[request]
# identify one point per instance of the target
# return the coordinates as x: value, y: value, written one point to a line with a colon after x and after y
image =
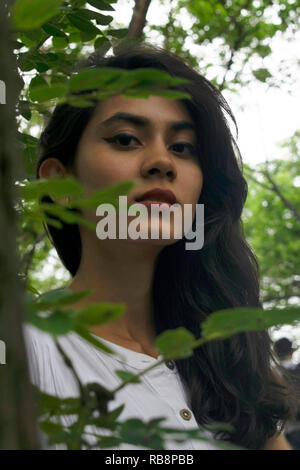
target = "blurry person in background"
x: 284, y: 349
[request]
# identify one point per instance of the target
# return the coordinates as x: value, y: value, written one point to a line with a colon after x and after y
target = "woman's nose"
x: 158, y: 161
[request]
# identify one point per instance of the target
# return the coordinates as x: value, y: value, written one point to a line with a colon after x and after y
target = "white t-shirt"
x: 159, y: 394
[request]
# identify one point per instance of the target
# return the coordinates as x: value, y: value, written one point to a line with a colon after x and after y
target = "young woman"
x: 185, y: 149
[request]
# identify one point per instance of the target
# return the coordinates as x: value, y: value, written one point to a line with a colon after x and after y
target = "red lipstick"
x: 157, y: 196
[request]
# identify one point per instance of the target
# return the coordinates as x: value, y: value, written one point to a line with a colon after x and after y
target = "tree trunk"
x: 138, y: 19
x: 18, y: 428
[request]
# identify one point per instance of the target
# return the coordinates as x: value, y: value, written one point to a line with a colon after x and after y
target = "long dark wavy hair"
x: 233, y: 380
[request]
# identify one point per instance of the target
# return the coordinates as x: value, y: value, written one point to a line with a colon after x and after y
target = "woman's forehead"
x: 154, y: 108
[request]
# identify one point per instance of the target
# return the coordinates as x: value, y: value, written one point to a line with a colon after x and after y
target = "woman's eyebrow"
x: 142, y: 121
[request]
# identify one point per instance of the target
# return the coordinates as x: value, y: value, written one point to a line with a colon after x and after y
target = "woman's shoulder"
x: 37, y: 342
x: 47, y: 368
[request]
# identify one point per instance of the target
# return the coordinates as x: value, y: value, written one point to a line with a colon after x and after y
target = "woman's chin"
x: 156, y: 232
x: 150, y: 231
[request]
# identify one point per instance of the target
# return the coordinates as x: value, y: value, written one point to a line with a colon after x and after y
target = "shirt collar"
x: 128, y: 356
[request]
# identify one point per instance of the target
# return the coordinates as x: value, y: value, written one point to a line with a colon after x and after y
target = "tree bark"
x: 138, y: 19
x: 18, y: 428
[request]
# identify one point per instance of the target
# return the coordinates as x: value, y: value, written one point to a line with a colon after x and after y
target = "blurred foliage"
x: 243, y: 32
x: 271, y: 227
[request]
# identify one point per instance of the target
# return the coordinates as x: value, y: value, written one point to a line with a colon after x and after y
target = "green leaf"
x: 108, y: 421
x: 30, y: 14
x: 24, y: 109
x: 30, y: 160
x: 49, y: 427
x: 263, y: 50
x: 52, y: 222
x: 125, y: 375
x: 33, y: 215
x: 53, y: 30
x: 94, y: 78
x: 113, y: 79
x: 66, y: 437
x: 101, y: 5
x: 32, y: 289
x: 54, y: 214
x: 79, y: 102
x: 94, y: 15
x: 56, y: 323
x: 146, y: 79
x: 91, y: 338
x: 26, y: 63
x: 136, y: 93
x: 60, y: 43
x: 54, y: 405
x: 108, y: 441
x: 33, y: 37
x: 53, y: 58
x: 114, y: 414
x: 134, y: 431
x: 37, y: 81
x: 225, y: 323
x: 87, y: 36
x: 170, y: 94
x: 152, y: 76
x: 117, y: 33
x: 42, y: 67
x: 58, y: 79
x: 99, y: 313
x: 74, y: 36
x: 103, y: 19
x: 102, y: 43
x: 103, y: 196
x: 28, y: 139
x: 83, y: 24
x: 57, y: 187
x: 60, y: 298
x: 67, y: 215
x: 262, y: 74
x: 177, y: 343
x: 45, y: 93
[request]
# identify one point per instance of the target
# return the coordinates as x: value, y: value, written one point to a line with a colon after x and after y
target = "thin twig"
x: 28, y: 257
x: 276, y: 189
x: 70, y: 365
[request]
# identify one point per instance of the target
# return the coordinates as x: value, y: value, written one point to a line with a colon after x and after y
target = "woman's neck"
x: 123, y: 276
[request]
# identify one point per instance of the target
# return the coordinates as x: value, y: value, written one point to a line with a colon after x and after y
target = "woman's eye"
x: 121, y: 139
x: 181, y: 146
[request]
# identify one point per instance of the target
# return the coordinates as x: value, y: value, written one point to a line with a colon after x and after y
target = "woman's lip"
x: 148, y: 202
x: 158, y: 194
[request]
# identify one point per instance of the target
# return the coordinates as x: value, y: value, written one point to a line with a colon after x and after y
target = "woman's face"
x: 153, y: 151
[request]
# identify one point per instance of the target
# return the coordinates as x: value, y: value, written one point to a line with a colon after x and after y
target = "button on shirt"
x: 160, y: 392
x: 170, y: 364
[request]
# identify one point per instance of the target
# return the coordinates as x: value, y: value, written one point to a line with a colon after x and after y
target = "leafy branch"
x: 272, y: 187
